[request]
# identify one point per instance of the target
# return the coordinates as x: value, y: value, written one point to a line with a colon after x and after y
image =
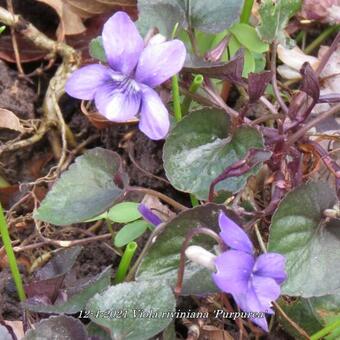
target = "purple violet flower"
x: 124, y: 89
x: 148, y: 215
x: 253, y: 283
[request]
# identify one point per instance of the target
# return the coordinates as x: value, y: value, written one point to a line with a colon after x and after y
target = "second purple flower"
x: 124, y: 89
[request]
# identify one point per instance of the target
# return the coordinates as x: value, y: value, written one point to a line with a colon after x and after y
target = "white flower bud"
x: 201, y: 256
x: 157, y: 39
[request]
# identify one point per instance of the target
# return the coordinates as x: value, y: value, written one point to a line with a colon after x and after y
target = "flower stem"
x: 176, y: 98
x: 321, y: 38
x: 125, y: 262
x: 195, y: 85
x: 11, y: 257
x: 175, y: 87
x: 324, y: 331
x: 246, y: 11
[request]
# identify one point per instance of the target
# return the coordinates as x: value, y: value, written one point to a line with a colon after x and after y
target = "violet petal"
x: 154, y: 117
x: 233, y: 271
x: 118, y: 103
x: 233, y: 236
x: 271, y: 265
x: 267, y: 290
x: 159, y: 62
x: 83, y: 83
x: 250, y: 303
x: 148, y: 215
x: 122, y: 43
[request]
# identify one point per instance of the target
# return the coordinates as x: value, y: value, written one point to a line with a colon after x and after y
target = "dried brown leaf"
x: 70, y: 21
x: 9, y: 120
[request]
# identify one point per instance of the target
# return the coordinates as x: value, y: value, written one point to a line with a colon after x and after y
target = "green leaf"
x: 209, y: 17
x: 129, y: 300
x: 124, y: 212
x: 200, y: 147
x: 214, y: 16
x: 274, y: 17
x: 78, y: 300
x: 310, y: 245
x: 162, y: 259
x: 2, y: 28
x: 130, y: 232
x: 248, y: 37
x: 97, y: 332
x: 163, y: 14
x: 303, y: 314
x: 96, y: 49
x: 57, y: 328
x: 311, y: 314
x: 85, y: 190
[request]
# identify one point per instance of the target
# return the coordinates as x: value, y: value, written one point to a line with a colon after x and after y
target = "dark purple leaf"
x: 310, y: 82
x: 49, y: 279
x: 231, y: 70
x: 257, y: 83
x: 251, y: 159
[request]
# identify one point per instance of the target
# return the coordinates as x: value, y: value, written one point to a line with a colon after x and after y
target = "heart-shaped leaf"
x: 57, y: 328
x: 162, y: 259
x: 143, y: 309
x: 200, y: 147
x: 210, y: 17
x: 76, y: 302
x: 90, y: 186
x: 310, y: 244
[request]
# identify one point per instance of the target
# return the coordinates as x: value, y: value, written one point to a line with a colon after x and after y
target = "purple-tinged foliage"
x: 257, y: 83
x: 231, y: 70
x: 124, y: 89
x: 253, y: 282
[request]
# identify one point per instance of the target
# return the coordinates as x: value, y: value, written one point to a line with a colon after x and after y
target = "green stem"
x: 10, y: 255
x: 324, y: 331
x: 246, y: 11
x: 175, y: 87
x: 176, y: 98
x: 195, y: 85
x: 194, y: 200
x: 321, y: 38
x: 125, y: 262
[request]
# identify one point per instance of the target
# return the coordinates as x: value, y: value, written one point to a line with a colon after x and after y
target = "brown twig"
x: 161, y: 196
x: 301, y: 132
x: 274, y: 79
x: 56, y: 87
x: 14, y: 41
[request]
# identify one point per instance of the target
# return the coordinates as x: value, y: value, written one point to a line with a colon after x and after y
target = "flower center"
x: 125, y: 84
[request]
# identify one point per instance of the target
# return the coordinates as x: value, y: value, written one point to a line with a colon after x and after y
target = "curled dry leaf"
x: 17, y: 328
x: 70, y: 21
x: 158, y: 208
x: 293, y: 59
x: 72, y: 12
x: 8, y: 120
